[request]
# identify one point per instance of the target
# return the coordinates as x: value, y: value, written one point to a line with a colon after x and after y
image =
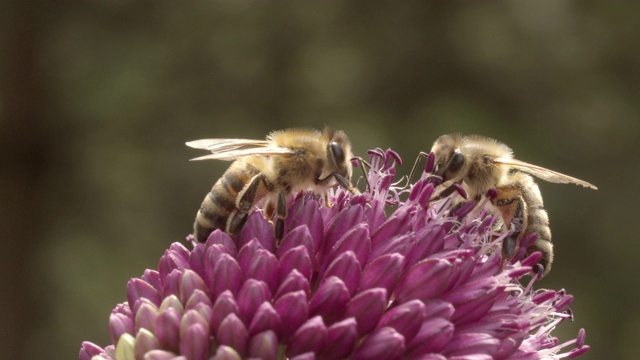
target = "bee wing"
x: 232, y: 149
x: 543, y: 173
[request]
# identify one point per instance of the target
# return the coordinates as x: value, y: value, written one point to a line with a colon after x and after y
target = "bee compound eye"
x: 337, y: 152
x: 457, y: 160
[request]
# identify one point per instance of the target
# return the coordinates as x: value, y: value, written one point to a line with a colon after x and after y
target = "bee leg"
x: 421, y: 155
x: 512, y: 207
x: 269, y: 209
x: 446, y: 192
x: 342, y: 181
x: 253, y: 191
x: 281, y: 215
x: 362, y: 164
x: 236, y: 221
x: 327, y: 202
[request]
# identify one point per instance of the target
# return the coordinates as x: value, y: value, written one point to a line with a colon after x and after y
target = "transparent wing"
x: 232, y: 149
x: 543, y: 173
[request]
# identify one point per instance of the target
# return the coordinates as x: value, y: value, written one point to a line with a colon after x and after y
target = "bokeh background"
x: 98, y: 98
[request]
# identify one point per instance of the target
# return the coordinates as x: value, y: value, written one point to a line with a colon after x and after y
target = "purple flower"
x: 425, y: 281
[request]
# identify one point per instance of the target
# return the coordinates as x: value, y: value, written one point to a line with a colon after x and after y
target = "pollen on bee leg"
x: 327, y: 202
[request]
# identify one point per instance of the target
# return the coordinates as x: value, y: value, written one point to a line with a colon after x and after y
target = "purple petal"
x: 489, y: 268
x: 460, y: 190
x: 266, y: 318
x: 179, y: 249
x: 464, y: 267
x: 89, y: 350
x: 384, y: 343
x: 427, y: 242
x: 252, y: 294
x: 197, y: 259
x: 429, y: 164
x: 257, y: 227
x: 306, y: 356
x: 295, y: 281
x: 198, y: 297
x: 438, y: 308
x: 406, y: 318
x: 263, y: 346
x: 173, y: 302
x: 392, y: 156
x: 384, y: 272
x: 367, y: 308
x: 221, y: 238
x: 296, y: 259
x: 401, y: 244
x: 227, y: 275
x: 233, y: 333
x: 137, y: 289
x: 563, y: 303
x: 397, y: 223
x: 343, y: 222
x: 508, y: 347
x: 145, y: 342
x: 168, y: 329
x: 194, y: 343
x: 296, y: 237
x: 246, y: 254
x: 470, y: 291
x: 293, y: 311
x: 543, y: 297
x: 474, y: 310
x: 469, y: 344
x: 582, y: 337
x: 356, y: 240
x: 226, y: 353
x: 152, y: 277
x: 433, y: 336
x: 416, y: 189
x: 122, y: 308
x: 211, y: 257
x: 425, y: 280
x: 146, y: 317
x: 225, y: 304
x: 305, y: 211
x: 190, y: 318
x: 347, y: 268
x: 532, y: 259
x: 119, y: 324
x: 171, y: 261
x: 172, y: 283
x: 578, y: 352
x: 162, y: 355
x: 310, y: 337
x: 342, y: 337
x: 465, y: 209
x: 330, y: 300
x: 190, y: 283
x: 264, y: 267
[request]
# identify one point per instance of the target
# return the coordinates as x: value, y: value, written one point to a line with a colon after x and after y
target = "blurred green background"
x: 98, y: 98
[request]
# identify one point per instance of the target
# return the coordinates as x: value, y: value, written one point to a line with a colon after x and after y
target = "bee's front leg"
x: 281, y: 215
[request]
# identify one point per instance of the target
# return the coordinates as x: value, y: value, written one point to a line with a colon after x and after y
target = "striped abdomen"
x: 218, y: 209
x: 537, y: 221
x: 520, y: 203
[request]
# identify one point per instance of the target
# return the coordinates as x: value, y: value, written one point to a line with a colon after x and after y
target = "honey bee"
x: 479, y: 164
x: 287, y: 161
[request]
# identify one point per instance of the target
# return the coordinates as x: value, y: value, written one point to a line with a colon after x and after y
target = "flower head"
x: 426, y: 281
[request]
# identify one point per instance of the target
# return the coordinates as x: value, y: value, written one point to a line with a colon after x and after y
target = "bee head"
x: 339, y: 153
x: 450, y: 161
